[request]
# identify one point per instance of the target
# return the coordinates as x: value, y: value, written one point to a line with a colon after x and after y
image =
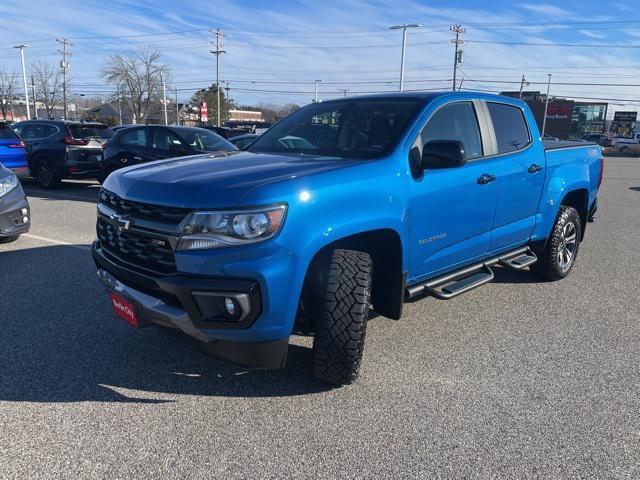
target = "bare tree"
x: 138, y: 79
x: 8, y: 83
x: 47, y: 80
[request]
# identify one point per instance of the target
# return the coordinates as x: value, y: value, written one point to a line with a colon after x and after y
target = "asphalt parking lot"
x: 516, y: 379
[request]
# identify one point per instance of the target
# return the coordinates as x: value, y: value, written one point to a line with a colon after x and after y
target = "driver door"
x: 452, y: 209
x: 166, y: 144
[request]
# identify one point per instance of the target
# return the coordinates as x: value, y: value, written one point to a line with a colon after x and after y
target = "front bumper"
x: 14, y: 208
x: 192, y: 304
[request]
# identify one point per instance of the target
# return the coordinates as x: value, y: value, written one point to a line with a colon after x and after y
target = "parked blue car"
x: 13, y: 152
x: 345, y: 205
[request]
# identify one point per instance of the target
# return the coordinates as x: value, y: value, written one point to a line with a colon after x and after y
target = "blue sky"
x: 283, y: 46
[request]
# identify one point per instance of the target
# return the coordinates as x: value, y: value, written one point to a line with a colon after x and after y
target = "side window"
x: 456, y: 121
x: 33, y: 131
x: 166, y: 140
x: 512, y: 132
x: 134, y: 137
x: 49, y: 130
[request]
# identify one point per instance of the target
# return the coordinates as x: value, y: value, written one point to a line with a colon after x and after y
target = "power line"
x: 544, y: 44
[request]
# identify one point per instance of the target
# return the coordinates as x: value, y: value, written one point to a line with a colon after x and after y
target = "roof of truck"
x: 430, y: 95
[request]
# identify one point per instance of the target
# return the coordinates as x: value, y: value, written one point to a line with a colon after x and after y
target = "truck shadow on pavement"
x: 70, y: 191
x: 61, y: 342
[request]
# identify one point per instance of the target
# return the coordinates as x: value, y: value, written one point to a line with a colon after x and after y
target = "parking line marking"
x: 84, y: 248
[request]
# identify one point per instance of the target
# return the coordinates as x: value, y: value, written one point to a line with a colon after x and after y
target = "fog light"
x: 25, y: 219
x: 230, y: 306
x: 24, y: 211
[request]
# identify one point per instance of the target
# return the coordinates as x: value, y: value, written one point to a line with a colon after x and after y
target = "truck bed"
x: 555, y: 145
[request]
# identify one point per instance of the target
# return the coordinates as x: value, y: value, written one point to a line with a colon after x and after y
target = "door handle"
x: 486, y: 178
x: 533, y: 168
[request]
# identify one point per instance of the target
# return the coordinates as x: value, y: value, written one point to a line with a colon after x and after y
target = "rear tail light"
x: 73, y: 141
x: 17, y: 145
x: 601, y: 171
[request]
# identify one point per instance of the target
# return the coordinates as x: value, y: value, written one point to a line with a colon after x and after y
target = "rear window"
x: 6, y: 133
x: 90, y: 131
x: 510, y: 126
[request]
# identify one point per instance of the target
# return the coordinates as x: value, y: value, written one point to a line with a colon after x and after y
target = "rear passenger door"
x: 520, y: 179
x: 452, y: 208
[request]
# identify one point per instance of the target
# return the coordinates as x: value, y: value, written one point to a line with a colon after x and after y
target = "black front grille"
x: 143, y: 210
x: 149, y: 252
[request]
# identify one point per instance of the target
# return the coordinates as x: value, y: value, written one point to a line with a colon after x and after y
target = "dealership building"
x: 566, y: 118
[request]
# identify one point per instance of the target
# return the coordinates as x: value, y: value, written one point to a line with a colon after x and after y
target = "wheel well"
x: 579, y: 199
x: 385, y: 248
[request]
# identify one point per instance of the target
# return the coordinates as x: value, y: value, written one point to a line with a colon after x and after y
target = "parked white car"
x: 627, y: 144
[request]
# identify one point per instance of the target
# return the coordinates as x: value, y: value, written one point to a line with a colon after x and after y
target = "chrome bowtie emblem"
x: 121, y: 223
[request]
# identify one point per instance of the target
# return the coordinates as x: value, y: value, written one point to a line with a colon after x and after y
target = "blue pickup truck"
x: 343, y: 207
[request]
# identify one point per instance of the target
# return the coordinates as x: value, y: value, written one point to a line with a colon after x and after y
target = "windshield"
x: 350, y: 128
x: 201, y: 139
x: 91, y: 131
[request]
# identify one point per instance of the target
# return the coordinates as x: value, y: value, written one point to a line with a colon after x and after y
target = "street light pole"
x: 24, y: 78
x: 315, y: 86
x: 403, y: 27
x: 164, y: 99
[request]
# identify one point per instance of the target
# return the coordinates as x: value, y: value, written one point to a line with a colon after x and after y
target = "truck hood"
x: 213, y: 180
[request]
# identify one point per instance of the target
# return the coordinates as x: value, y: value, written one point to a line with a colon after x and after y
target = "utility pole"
x: 24, y: 78
x: 226, y: 91
x: 403, y: 27
x: 65, y: 66
x: 118, y: 100
x: 33, y: 94
x: 315, y: 88
x: 344, y: 91
x: 457, y: 58
x: 546, y: 105
x: 523, y: 82
x: 164, y: 99
x: 177, y: 108
x: 217, y: 52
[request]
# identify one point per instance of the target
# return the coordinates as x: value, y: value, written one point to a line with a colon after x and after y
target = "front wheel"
x: 560, y: 253
x: 341, y: 316
x: 8, y: 239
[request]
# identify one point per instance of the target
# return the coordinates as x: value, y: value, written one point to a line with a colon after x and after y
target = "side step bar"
x: 460, y: 281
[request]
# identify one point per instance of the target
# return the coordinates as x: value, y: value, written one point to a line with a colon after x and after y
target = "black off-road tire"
x: 341, y: 316
x: 549, y: 265
x: 8, y: 239
x: 46, y: 175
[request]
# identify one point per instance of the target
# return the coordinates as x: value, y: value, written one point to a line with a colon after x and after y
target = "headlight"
x: 7, y: 184
x: 229, y: 228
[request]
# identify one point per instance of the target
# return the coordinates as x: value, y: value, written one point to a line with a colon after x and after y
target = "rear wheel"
x: 46, y: 175
x: 340, y: 316
x: 560, y: 253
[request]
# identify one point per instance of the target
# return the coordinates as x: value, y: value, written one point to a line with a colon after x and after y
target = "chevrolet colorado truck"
x: 343, y: 207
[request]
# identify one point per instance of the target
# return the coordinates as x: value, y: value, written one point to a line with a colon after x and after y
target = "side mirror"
x: 443, y: 154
